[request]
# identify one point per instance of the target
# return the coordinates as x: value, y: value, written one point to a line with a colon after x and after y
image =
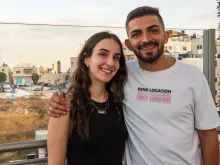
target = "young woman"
x: 94, y: 132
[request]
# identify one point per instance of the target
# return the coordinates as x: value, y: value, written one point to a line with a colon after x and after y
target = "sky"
x: 45, y: 45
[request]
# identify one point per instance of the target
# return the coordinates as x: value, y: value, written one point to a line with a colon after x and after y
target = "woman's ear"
x: 87, y: 61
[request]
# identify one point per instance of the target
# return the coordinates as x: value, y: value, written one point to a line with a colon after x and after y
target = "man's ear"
x: 128, y: 44
x: 167, y: 36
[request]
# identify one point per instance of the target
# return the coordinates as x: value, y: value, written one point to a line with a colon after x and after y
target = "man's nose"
x: 146, y: 37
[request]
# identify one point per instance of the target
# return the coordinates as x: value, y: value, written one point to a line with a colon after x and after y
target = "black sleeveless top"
x: 106, y: 143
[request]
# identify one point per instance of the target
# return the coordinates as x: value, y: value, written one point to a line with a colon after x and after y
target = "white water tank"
x: 41, y: 135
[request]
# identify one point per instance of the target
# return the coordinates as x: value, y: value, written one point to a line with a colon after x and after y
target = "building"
x: 7, y: 70
x: 54, y: 68
x: 53, y: 79
x: 197, y: 46
x: 41, y: 70
x: 217, y: 81
x: 176, y: 47
x: 129, y: 55
x: 58, y: 67
x: 180, y: 43
x: 22, y: 74
x: 218, y: 46
x: 47, y: 78
x: 174, y: 33
x: 73, y: 63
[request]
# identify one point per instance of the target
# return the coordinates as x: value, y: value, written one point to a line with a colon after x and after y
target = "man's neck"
x: 162, y: 63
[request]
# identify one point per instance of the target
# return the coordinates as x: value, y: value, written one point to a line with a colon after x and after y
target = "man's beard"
x: 151, y: 58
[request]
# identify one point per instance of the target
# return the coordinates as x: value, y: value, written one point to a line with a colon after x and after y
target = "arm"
x: 57, y: 106
x: 209, y: 146
x: 206, y: 122
x: 58, y: 133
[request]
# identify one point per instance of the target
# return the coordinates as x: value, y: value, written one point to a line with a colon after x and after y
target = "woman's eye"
x: 117, y: 58
x: 102, y: 54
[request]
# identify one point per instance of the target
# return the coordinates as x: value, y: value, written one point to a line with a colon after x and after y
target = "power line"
x: 45, y: 24
x: 72, y: 25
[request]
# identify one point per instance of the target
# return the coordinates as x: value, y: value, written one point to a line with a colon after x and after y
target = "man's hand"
x: 57, y: 105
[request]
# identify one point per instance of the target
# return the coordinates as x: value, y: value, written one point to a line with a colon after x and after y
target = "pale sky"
x: 41, y: 45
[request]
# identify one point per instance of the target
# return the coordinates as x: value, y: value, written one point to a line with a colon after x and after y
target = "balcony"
x: 42, y: 45
x: 33, y: 158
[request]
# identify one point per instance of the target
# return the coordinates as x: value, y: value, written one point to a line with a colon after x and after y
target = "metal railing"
x: 19, y: 146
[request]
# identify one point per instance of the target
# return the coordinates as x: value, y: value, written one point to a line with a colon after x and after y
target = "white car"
x: 7, y: 88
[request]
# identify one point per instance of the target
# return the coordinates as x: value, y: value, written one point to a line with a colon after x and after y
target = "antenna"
x: 80, y: 47
x: 1, y: 64
x: 20, y: 59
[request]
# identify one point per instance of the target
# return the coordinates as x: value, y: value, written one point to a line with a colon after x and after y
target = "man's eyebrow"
x: 153, y: 26
x: 135, y: 31
x: 149, y: 27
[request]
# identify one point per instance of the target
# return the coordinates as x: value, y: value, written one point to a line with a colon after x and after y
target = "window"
x: 27, y: 71
x: 215, y: 79
x: 165, y: 47
x: 18, y: 72
x: 200, y: 47
x: 170, y: 47
x: 184, y: 48
x: 71, y: 63
x: 197, y: 47
x: 3, y: 70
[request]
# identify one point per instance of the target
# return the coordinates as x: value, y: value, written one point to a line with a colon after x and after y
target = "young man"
x: 168, y: 108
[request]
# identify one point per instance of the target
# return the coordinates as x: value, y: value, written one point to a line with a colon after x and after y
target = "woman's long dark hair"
x: 81, y: 82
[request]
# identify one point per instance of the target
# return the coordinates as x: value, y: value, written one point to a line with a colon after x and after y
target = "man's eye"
x: 134, y: 35
x: 154, y: 30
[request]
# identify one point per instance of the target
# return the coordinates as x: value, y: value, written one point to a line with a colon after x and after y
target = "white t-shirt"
x: 162, y: 112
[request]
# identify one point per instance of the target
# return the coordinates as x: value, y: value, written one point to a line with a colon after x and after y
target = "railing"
x: 19, y: 146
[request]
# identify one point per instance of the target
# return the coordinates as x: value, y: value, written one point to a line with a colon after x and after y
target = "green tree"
x: 11, y: 80
x: 67, y: 77
x: 3, y: 77
x: 35, y: 78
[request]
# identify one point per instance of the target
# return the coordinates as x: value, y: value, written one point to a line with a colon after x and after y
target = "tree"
x: 67, y: 77
x: 3, y: 77
x: 11, y: 80
x: 35, y: 78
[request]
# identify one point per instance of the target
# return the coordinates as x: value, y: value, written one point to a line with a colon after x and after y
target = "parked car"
x: 40, y: 83
x: 55, y: 88
x: 7, y: 88
x: 47, y: 84
x: 37, y: 88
